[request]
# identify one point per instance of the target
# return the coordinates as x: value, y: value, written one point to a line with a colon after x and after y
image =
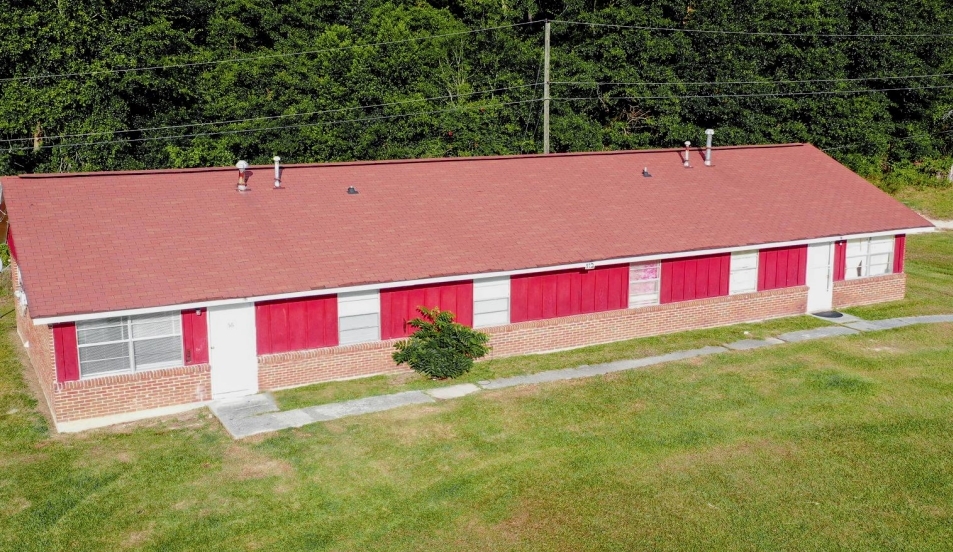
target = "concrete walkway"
x: 941, y: 224
x: 256, y: 414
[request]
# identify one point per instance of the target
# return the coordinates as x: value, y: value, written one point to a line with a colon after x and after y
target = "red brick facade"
x: 865, y: 291
x: 304, y: 367
x: 105, y: 396
x: 40, y: 341
x: 93, y: 398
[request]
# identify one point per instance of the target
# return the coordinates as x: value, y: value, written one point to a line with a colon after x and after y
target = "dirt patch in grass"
x: 241, y: 463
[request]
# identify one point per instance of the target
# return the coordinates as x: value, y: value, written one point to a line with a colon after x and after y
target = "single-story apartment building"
x: 146, y: 292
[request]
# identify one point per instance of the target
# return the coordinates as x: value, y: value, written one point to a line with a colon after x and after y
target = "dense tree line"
x: 364, y: 54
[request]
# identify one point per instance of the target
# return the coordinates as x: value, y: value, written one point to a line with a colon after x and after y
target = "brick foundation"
x: 865, y: 291
x: 334, y: 363
x: 105, y: 396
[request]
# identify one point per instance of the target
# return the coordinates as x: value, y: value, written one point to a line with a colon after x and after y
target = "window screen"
x: 129, y: 344
x: 643, y: 284
x: 869, y: 257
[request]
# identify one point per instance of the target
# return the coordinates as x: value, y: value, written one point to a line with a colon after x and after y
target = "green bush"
x: 439, y: 347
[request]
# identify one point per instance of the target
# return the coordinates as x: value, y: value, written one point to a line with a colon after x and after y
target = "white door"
x: 233, y: 350
x: 820, y: 276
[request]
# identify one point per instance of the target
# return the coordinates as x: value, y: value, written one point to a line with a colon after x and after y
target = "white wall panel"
x: 744, y: 272
x: 491, y: 302
x: 359, y: 317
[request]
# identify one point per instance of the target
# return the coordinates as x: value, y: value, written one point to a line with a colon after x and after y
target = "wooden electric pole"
x: 546, y: 90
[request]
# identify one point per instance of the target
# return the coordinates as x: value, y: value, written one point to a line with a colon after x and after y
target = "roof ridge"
x: 370, y: 162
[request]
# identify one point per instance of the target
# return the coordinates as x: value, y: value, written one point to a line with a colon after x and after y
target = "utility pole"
x: 546, y: 90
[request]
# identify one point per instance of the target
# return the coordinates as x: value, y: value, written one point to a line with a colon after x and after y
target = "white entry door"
x: 233, y: 350
x: 820, y: 276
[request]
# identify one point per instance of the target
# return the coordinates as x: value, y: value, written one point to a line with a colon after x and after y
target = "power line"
x: 913, y: 137
x: 753, y: 95
x: 269, y: 117
x: 255, y: 58
x: 805, y: 81
x: 284, y: 127
x: 754, y: 33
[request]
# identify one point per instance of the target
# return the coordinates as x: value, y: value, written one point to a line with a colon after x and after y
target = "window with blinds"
x: 129, y: 344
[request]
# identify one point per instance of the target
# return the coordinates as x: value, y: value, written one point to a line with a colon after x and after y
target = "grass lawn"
x: 500, y: 368
x: 934, y: 202
x: 844, y: 443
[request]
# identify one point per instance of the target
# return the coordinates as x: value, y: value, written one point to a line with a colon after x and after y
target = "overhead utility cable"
x: 284, y: 127
x: 906, y: 139
x: 752, y: 95
x: 269, y: 117
x: 255, y: 58
x: 805, y: 81
x: 754, y: 33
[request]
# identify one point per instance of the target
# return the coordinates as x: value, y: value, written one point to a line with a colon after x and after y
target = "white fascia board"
x: 459, y: 277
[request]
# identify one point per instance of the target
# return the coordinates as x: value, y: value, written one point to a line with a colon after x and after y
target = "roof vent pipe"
x: 241, y: 166
x: 277, y: 172
x: 708, y: 135
x: 685, y: 162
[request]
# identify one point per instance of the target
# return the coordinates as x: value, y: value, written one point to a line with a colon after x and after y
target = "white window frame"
x: 126, y: 325
x: 637, y: 300
x: 866, y: 253
x: 744, y: 272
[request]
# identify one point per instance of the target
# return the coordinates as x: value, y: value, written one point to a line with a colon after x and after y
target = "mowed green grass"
x: 844, y: 443
x: 933, y: 201
x: 500, y: 368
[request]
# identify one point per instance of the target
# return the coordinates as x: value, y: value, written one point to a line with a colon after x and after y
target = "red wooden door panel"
x: 782, y: 267
x: 296, y: 324
x: 399, y: 305
x: 695, y: 278
x: 568, y: 292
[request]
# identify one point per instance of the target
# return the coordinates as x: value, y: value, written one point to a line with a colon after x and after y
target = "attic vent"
x: 351, y: 190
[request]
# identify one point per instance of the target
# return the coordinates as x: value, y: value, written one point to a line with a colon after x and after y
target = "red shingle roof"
x: 113, y: 241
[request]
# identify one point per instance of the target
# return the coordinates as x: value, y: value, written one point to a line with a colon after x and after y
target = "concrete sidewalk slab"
x: 748, y: 344
x: 816, y: 333
x: 368, y: 405
x: 453, y: 391
x: 587, y: 371
x: 844, y: 318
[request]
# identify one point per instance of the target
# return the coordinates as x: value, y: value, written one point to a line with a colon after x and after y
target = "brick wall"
x: 304, y: 367
x: 40, y: 338
x: 864, y: 291
x: 606, y: 327
x: 105, y: 396
x: 333, y: 363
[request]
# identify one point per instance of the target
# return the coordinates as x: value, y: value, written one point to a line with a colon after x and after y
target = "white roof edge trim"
x: 456, y: 278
